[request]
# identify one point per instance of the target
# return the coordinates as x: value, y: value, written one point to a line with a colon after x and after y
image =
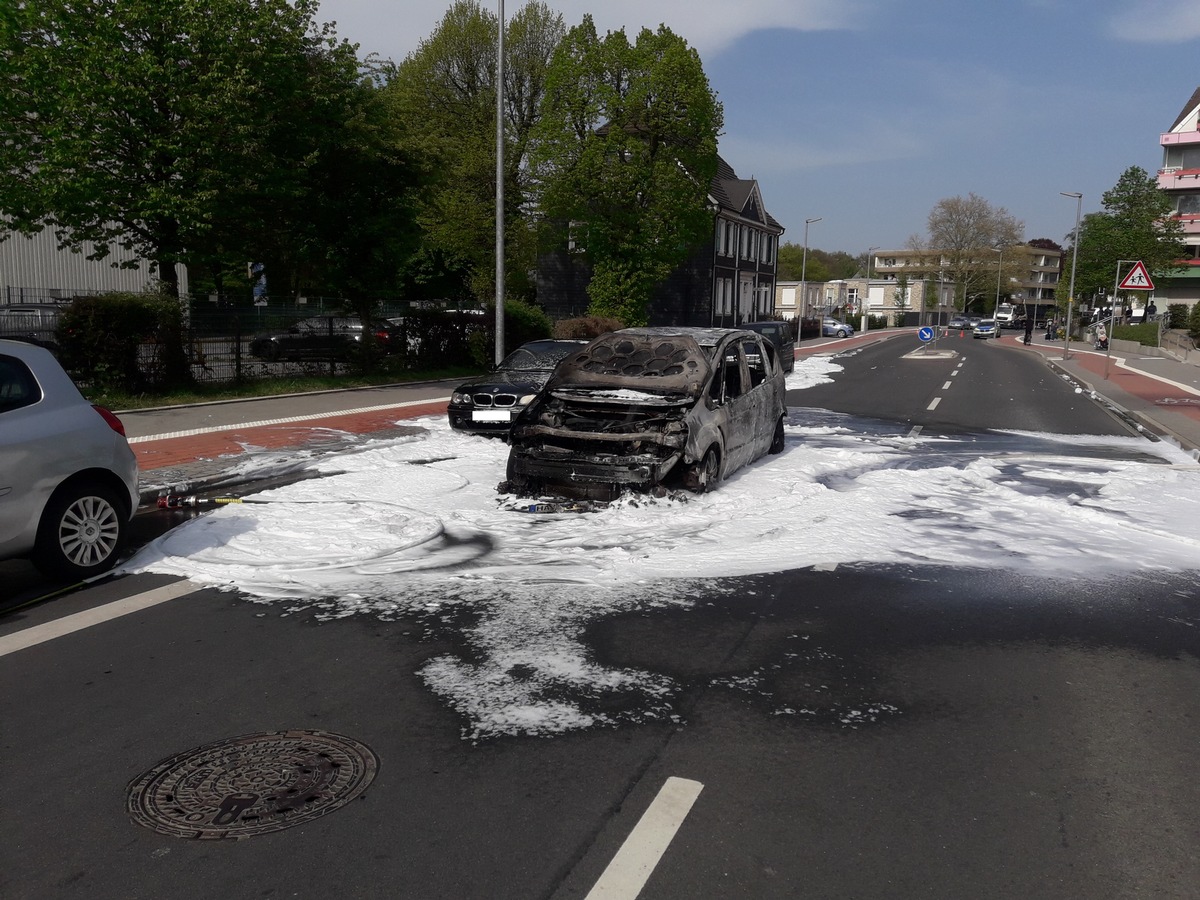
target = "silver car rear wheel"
x: 81, y: 534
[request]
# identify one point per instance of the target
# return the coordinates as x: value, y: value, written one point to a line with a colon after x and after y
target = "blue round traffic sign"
x: 925, y: 334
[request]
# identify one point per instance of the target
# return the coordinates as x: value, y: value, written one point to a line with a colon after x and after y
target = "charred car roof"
x: 661, y: 359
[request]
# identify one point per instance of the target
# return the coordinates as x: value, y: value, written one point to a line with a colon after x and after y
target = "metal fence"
x: 240, y: 344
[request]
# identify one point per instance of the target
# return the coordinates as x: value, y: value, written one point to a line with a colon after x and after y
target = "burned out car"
x: 650, y: 408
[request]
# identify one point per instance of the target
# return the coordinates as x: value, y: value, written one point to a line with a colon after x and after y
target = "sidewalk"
x: 191, y: 448
x: 183, y: 449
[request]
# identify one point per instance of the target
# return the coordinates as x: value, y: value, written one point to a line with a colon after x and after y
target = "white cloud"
x: 708, y: 25
x: 1157, y: 21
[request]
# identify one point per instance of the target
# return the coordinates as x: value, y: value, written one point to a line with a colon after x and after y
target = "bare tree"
x: 965, y: 233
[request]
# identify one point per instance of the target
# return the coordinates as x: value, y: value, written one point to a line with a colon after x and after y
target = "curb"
x: 1139, y: 422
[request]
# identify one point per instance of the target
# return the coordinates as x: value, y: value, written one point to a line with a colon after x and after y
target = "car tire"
x: 702, y: 477
x: 841, y: 332
x: 82, y: 532
x: 777, y: 441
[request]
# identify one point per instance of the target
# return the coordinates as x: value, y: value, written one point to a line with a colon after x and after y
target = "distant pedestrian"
x: 1028, y: 329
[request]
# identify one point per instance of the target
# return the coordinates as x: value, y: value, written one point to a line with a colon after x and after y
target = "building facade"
x: 34, y: 270
x: 1026, y: 275
x: 729, y: 279
x: 1179, y: 178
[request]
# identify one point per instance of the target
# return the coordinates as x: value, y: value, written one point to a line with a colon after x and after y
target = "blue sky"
x: 866, y: 113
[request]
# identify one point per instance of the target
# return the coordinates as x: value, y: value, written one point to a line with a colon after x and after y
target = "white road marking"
x: 190, y: 432
x: 946, y: 386
x: 630, y: 869
x: 916, y: 429
x: 933, y: 405
x: 20, y: 640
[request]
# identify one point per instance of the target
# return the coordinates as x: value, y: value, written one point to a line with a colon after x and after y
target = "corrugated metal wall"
x: 34, y: 269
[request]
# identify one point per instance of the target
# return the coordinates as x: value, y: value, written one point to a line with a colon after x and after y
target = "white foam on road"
x: 413, y: 527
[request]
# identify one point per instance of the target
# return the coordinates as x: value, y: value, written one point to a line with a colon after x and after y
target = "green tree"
x: 625, y: 152
x: 443, y: 96
x: 1193, y: 322
x: 791, y: 265
x: 146, y: 124
x: 1135, y: 224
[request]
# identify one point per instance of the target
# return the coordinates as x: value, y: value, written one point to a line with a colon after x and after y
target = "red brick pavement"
x: 175, y: 450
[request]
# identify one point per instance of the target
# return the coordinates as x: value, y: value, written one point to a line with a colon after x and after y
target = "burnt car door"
x: 737, y: 405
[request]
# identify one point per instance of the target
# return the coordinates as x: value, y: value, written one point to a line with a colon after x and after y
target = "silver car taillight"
x: 113, y: 422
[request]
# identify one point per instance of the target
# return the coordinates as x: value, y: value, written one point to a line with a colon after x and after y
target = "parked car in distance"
x: 68, y: 479
x: 649, y: 409
x: 490, y: 403
x: 34, y: 323
x: 319, y: 337
x: 836, y: 328
x: 780, y: 334
x: 985, y: 329
x: 959, y: 323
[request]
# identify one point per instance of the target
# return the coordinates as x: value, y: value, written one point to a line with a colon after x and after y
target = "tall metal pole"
x: 866, y: 304
x: 1074, y: 257
x: 999, y: 270
x: 804, y: 283
x: 500, y: 186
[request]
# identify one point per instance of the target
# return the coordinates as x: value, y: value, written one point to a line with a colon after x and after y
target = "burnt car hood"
x: 634, y: 369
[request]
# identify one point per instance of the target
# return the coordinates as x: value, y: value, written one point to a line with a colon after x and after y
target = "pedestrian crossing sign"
x: 1138, y: 279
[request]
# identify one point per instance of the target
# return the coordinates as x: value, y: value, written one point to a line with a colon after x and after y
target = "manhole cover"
x: 253, y: 784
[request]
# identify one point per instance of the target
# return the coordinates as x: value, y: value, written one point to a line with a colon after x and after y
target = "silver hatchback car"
x: 68, y: 478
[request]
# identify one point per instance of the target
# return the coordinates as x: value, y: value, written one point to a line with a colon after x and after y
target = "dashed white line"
x: 946, y: 386
x: 631, y: 868
x: 933, y: 405
x: 38, y: 634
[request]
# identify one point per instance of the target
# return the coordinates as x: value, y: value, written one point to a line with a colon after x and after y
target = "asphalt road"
x: 982, y: 385
x: 871, y: 731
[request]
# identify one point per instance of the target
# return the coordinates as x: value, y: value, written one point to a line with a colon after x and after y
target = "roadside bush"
x: 523, y: 322
x: 1177, y: 315
x: 1193, y: 322
x: 124, y: 342
x: 585, y: 327
x: 1145, y: 334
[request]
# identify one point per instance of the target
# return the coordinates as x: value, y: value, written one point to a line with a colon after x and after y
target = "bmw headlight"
x: 526, y: 400
x: 460, y: 399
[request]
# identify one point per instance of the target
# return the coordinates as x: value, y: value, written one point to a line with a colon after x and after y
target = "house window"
x: 724, y: 296
x: 1189, y: 204
x: 745, y: 242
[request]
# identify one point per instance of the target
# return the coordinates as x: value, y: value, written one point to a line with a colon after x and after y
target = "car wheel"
x: 703, y: 476
x: 81, y: 533
x: 777, y: 440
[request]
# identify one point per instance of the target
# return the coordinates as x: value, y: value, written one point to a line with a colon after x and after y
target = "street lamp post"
x: 1074, y: 256
x: 866, y: 302
x: 500, y: 186
x: 999, y: 271
x: 804, y: 281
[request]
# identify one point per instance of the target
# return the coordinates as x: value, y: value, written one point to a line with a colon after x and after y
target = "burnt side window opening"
x: 755, y: 362
x: 733, y: 374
